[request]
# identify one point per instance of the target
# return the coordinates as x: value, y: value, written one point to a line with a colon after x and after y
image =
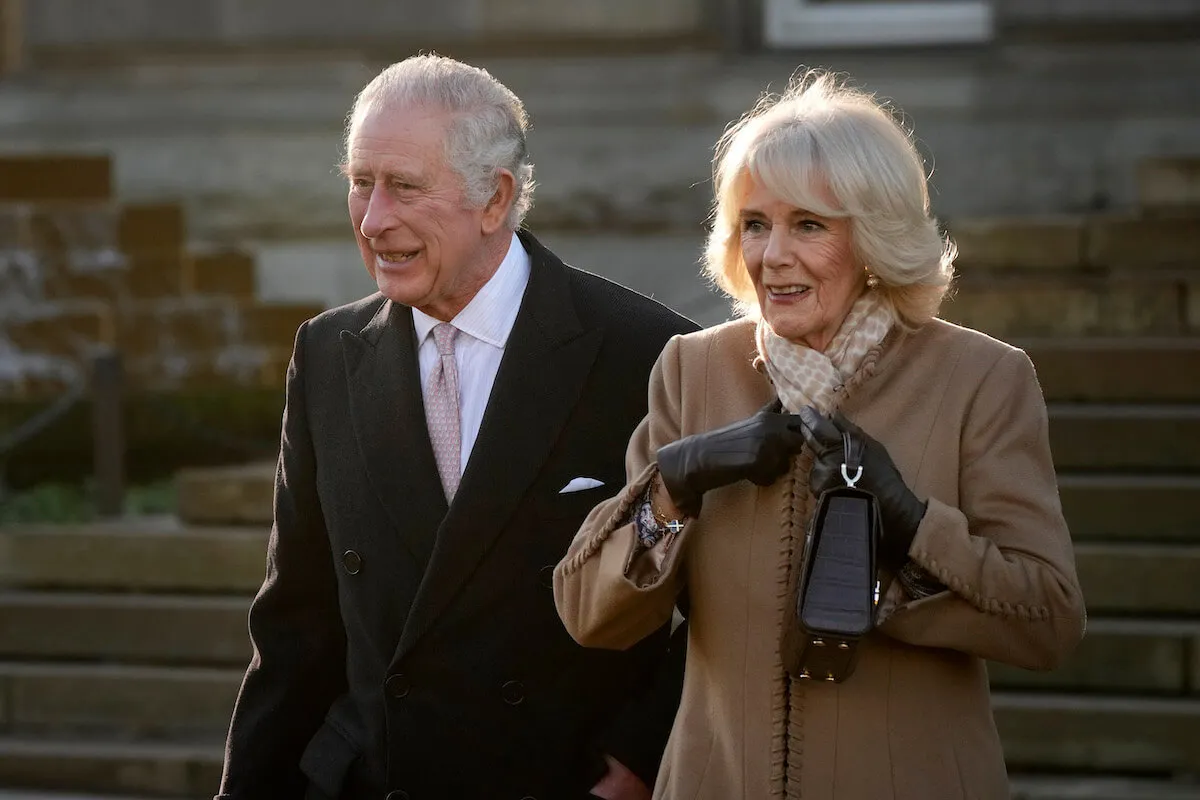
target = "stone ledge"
x: 133, y: 556
x: 1139, y: 579
x: 1113, y: 734
x: 159, y: 629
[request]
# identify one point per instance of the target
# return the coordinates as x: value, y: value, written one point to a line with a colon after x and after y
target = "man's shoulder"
x: 351, y: 317
x: 605, y: 300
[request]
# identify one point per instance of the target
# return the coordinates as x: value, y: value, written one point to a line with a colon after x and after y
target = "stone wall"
x: 81, y: 271
x: 69, y: 23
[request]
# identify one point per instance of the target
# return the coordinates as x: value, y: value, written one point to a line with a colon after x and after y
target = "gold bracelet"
x: 673, y: 525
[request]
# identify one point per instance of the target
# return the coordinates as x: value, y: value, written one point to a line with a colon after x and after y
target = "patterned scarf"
x: 803, y: 376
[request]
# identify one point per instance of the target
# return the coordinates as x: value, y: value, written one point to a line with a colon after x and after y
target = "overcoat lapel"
x: 546, y: 362
x: 388, y: 415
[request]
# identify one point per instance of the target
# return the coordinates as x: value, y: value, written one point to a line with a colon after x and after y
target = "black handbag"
x: 838, y: 589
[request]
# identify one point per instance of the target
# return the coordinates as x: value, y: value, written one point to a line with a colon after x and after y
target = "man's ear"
x: 495, y: 213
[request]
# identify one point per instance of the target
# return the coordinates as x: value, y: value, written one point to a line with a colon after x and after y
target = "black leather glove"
x: 899, y: 508
x: 758, y: 449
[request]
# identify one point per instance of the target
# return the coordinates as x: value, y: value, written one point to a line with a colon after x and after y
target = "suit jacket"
x: 410, y: 649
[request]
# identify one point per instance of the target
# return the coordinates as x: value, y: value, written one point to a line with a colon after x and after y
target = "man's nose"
x: 380, y: 214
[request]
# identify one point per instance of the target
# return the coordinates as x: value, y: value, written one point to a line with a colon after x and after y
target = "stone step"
x: 144, y: 702
x: 1098, y: 734
x: 1131, y: 507
x: 160, y: 701
x: 1116, y: 370
x: 145, y: 554
x: 1128, y: 437
x: 1169, y: 184
x: 148, y: 629
x: 1090, y: 787
x: 1143, y: 656
x: 1039, y: 731
x: 1081, y: 306
x: 238, y: 495
x: 152, y: 769
x: 1139, y: 579
x: 1068, y: 245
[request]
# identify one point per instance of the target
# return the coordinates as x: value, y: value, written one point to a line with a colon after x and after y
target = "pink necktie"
x: 441, y: 409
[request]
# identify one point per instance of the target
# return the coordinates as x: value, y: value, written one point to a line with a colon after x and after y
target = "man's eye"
x: 360, y: 183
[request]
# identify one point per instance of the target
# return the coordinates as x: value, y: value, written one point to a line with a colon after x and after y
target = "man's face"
x: 418, y: 239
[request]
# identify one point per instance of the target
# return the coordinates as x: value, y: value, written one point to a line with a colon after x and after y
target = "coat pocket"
x: 327, y: 759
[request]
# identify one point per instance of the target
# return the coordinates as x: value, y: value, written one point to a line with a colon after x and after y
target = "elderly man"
x: 443, y: 441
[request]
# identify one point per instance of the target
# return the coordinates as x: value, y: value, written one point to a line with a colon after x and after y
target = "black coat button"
x: 528, y: 797
x: 399, y: 794
x: 546, y: 576
x: 352, y: 561
x: 397, y: 686
x: 513, y: 693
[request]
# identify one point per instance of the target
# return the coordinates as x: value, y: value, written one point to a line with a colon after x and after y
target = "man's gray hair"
x: 487, y: 131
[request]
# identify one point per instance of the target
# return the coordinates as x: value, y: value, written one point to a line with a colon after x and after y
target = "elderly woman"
x: 823, y: 236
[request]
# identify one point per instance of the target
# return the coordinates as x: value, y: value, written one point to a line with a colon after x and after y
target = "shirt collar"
x: 492, y: 312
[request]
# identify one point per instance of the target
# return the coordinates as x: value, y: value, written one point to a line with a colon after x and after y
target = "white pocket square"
x: 579, y: 484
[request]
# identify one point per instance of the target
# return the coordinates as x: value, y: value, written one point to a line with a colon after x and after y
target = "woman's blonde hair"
x: 824, y: 138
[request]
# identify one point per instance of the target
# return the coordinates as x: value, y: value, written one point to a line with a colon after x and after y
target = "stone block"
x: 1129, y: 656
x: 146, y: 769
x: 231, y: 366
x: 229, y: 273
x: 1167, y: 184
x: 1137, y: 243
x: 152, y: 227
x: 141, y: 276
x: 1155, y: 438
x: 1139, y: 579
x: 55, y: 177
x: 1131, y: 507
x: 1094, y: 308
x: 1035, y: 243
x: 147, y: 628
x: 1098, y: 734
x: 174, y: 327
x: 1116, y: 370
x: 135, y: 555
x: 241, y: 495
x: 67, y: 329
x: 118, y: 699
x: 275, y: 324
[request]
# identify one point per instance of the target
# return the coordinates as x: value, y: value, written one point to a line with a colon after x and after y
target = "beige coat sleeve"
x: 600, y: 605
x: 1005, y: 552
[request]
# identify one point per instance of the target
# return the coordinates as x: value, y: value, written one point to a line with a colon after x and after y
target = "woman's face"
x: 802, y: 266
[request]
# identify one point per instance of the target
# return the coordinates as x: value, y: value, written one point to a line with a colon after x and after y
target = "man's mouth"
x: 394, y: 258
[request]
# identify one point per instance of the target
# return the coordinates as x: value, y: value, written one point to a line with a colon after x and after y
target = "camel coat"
x: 963, y: 417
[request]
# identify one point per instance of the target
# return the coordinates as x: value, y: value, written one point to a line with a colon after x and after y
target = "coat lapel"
x: 388, y: 415
x: 546, y: 362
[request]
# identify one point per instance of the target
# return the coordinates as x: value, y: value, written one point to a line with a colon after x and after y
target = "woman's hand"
x: 899, y: 507
x: 758, y: 449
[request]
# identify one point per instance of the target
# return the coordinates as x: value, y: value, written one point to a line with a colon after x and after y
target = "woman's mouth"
x: 788, y: 292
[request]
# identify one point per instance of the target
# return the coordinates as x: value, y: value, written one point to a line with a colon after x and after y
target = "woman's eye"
x: 811, y: 225
x: 752, y: 226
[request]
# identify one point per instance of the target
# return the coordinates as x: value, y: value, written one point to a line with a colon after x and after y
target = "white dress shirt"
x: 484, y: 326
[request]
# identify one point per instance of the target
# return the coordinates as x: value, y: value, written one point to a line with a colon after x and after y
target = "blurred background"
x: 170, y: 212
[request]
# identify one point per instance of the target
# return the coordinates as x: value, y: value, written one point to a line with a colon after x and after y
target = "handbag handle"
x: 851, y: 459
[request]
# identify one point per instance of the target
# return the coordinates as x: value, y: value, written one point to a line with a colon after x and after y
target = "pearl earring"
x: 872, y: 280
